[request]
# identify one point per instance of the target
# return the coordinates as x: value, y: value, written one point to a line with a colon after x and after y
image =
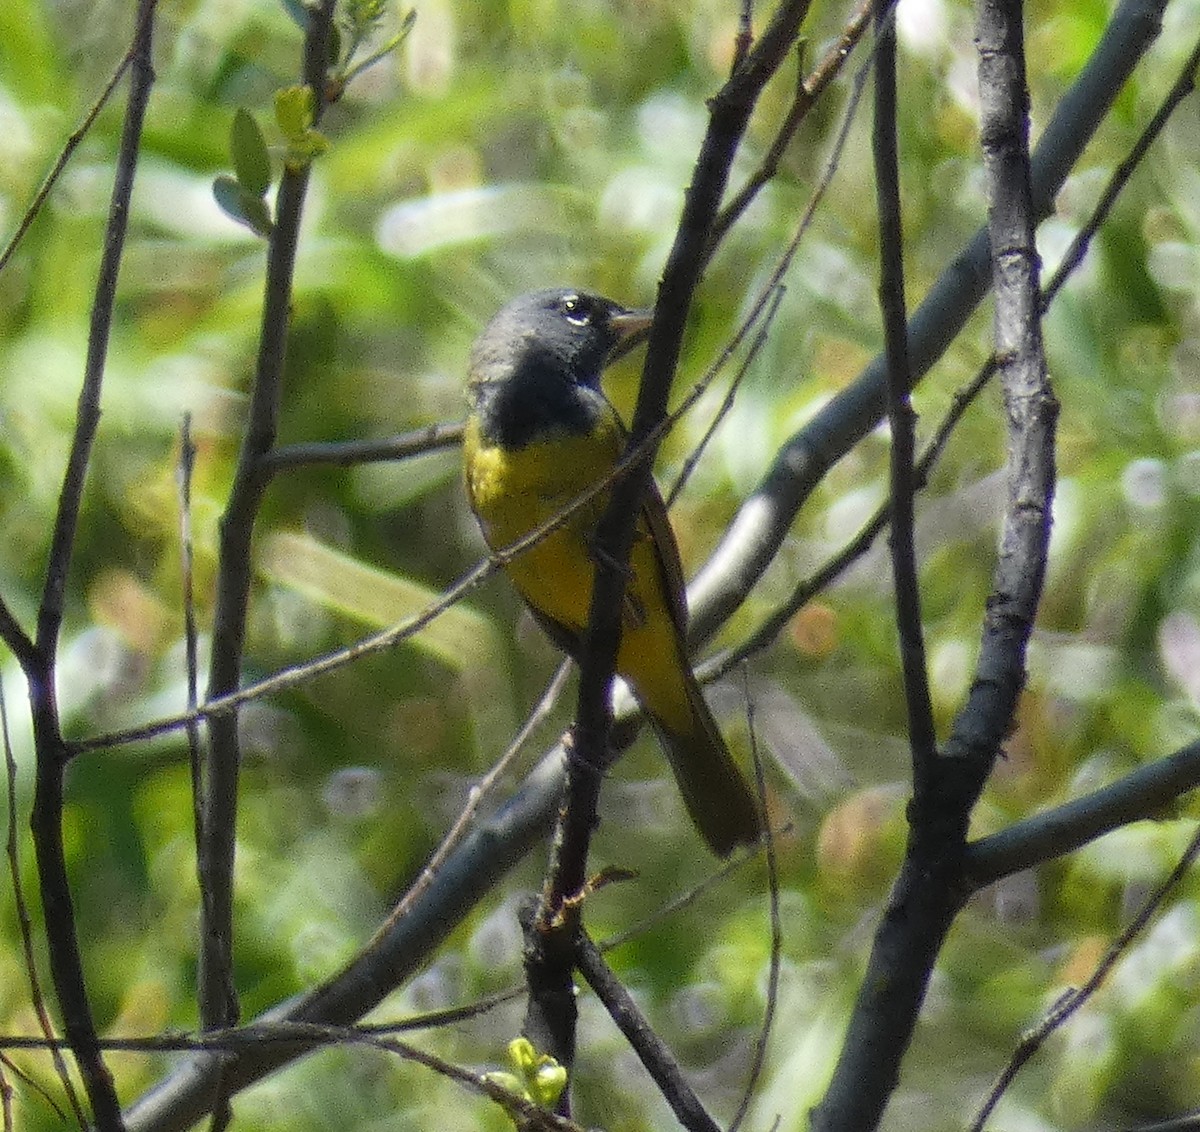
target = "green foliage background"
x: 535, y: 143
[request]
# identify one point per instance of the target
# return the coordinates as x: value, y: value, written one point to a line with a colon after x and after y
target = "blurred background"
x: 509, y: 146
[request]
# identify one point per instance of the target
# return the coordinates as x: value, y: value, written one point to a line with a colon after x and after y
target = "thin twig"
x: 222, y: 1114
x: 765, y: 319
x: 1073, y: 999
x: 57, y: 1045
x: 17, y: 639
x: 550, y: 939
x: 665, y: 911
x: 759, y: 1059
x: 69, y: 146
x: 25, y: 924
x: 432, y: 438
x: 651, y: 1050
x: 478, y: 795
x: 808, y: 91
x: 187, y: 463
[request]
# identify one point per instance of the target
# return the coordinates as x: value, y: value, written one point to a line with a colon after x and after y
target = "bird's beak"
x: 625, y: 324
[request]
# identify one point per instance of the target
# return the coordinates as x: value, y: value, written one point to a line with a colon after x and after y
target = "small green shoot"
x: 537, y: 1077
x: 295, y: 112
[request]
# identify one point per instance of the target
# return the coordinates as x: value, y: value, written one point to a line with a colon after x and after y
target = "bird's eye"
x: 576, y: 310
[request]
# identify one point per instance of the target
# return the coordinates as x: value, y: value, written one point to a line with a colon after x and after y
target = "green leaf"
x: 239, y: 204
x: 248, y: 147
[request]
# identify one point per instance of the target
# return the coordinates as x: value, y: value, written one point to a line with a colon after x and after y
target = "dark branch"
x: 1139, y: 795
x: 218, y: 1005
x: 651, y: 1050
x: 433, y: 438
x: 754, y: 537
x: 905, y: 579
x: 66, y: 964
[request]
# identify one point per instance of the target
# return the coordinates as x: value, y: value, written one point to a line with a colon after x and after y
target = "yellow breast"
x: 515, y: 491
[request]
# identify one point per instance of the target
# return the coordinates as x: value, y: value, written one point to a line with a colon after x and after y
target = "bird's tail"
x: 716, y: 793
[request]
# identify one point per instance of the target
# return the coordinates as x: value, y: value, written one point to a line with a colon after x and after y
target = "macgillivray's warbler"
x: 539, y: 435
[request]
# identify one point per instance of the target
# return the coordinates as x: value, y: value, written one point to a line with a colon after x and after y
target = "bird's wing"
x: 654, y: 512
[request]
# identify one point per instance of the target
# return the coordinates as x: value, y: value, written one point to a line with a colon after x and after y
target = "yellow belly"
x: 515, y: 492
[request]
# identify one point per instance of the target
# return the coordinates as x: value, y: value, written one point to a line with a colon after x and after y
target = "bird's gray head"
x: 558, y: 334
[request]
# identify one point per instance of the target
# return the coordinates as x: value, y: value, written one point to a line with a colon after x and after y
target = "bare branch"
x: 24, y: 923
x: 218, y: 1002
x: 759, y: 1060
x: 66, y: 964
x: 651, y: 1050
x: 763, y: 521
x: 69, y: 146
x: 1031, y: 404
x: 1139, y: 795
x: 905, y: 579
x: 1061, y: 1012
x: 433, y: 438
x: 807, y: 93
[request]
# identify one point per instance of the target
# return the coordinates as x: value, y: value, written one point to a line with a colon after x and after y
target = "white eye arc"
x: 576, y: 310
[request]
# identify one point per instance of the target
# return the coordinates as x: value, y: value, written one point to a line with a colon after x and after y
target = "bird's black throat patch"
x: 534, y: 402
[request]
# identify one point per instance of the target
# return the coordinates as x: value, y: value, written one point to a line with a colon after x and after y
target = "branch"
x: 1030, y: 403
x: 429, y: 439
x: 24, y: 924
x: 759, y: 1059
x: 1139, y: 795
x: 17, y: 639
x: 932, y: 887
x: 1060, y: 1013
x: 66, y: 964
x: 763, y: 521
x: 807, y: 93
x: 498, y: 843
x: 906, y: 582
x: 651, y: 1050
x: 69, y: 146
x: 217, y: 835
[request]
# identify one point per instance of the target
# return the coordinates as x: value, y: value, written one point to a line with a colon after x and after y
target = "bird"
x: 539, y: 434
